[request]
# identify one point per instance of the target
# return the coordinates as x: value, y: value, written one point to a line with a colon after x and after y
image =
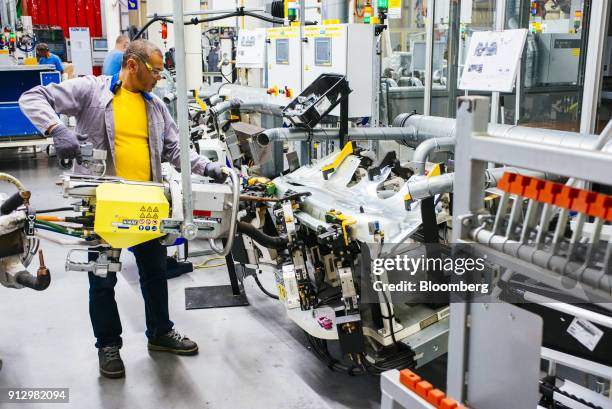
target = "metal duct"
x: 433, y: 145
x: 406, y: 135
x: 428, y: 187
x: 262, y: 108
x: 415, y: 129
x: 335, y: 10
x: 224, y: 106
x: 428, y: 127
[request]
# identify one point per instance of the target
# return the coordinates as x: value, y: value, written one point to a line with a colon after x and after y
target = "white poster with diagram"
x: 493, y: 60
x: 251, y: 48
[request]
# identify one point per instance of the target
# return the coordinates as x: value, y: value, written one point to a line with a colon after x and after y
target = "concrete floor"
x: 250, y: 357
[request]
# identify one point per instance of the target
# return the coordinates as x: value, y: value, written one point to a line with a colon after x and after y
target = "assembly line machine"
x: 317, y: 198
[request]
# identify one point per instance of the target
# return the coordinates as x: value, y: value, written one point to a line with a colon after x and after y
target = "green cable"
x: 51, y: 229
x: 57, y: 226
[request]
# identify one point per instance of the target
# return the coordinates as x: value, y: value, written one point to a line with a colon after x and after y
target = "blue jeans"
x: 151, y: 262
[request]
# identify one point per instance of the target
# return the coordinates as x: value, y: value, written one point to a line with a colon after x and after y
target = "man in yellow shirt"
x: 119, y: 115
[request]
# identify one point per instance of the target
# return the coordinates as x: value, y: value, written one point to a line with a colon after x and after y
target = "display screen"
x: 99, y: 44
x: 282, y: 51
x: 323, y: 51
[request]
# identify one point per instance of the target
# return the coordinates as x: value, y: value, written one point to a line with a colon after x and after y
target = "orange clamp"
x: 423, y: 388
x: 409, y: 379
x: 520, y: 183
x: 566, y: 198
x: 506, y: 180
x: 448, y: 403
x: 584, y: 201
x: 435, y: 396
x: 601, y: 207
x: 550, y: 192
x: 533, y: 190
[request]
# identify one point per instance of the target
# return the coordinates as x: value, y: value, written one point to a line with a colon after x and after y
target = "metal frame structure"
x: 189, y: 229
x: 474, y: 149
x: 502, y: 331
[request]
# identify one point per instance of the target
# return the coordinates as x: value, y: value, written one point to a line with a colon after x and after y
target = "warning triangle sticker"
x: 149, y: 209
x: 155, y: 210
x: 154, y: 217
x: 142, y: 215
x: 142, y: 209
x: 148, y: 215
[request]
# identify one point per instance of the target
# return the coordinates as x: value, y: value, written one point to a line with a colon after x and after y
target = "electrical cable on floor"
x: 261, y: 287
x: 204, y: 264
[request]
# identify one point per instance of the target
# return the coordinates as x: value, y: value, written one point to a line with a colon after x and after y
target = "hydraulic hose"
x: 148, y: 24
x: 57, y: 209
x: 240, y: 12
x: 51, y: 229
x: 260, y: 237
x: 224, y: 251
x: 12, y: 179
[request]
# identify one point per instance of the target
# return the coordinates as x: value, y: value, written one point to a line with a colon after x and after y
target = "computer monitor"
x: 99, y: 44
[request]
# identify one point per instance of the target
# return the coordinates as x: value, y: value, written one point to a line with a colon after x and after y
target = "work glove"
x: 66, y: 144
x: 214, y: 170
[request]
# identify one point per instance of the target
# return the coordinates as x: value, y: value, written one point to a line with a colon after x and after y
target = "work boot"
x: 173, y: 342
x: 111, y: 365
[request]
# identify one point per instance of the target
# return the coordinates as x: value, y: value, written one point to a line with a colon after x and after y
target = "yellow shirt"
x: 132, y: 157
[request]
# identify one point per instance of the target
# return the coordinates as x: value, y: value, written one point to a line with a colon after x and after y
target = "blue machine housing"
x: 16, y: 79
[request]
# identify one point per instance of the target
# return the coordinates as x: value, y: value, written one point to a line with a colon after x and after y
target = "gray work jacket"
x: 89, y: 99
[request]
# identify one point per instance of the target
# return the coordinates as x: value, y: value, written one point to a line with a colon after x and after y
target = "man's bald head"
x: 140, y: 50
x: 122, y: 42
x: 142, y: 65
